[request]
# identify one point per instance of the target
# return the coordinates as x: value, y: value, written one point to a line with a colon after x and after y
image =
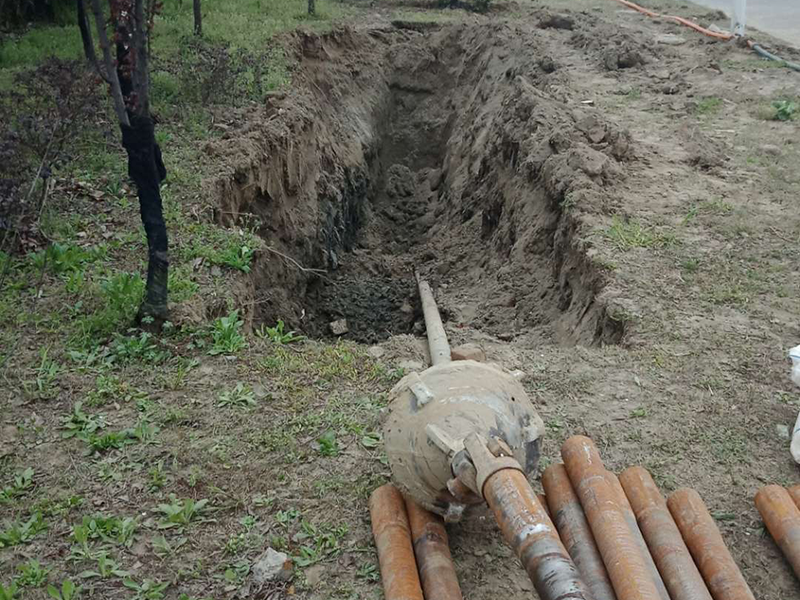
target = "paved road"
x: 780, y: 18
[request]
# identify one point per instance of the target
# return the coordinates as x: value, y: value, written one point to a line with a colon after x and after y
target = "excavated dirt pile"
x: 451, y: 151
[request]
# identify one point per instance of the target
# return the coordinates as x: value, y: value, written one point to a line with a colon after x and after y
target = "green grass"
x: 708, y: 106
x: 629, y: 234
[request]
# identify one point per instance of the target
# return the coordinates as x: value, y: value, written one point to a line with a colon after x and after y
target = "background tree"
x: 129, y: 84
x: 198, y: 18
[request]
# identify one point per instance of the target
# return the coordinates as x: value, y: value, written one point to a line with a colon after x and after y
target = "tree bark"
x: 311, y: 7
x: 86, y: 35
x: 111, y: 72
x: 198, y: 19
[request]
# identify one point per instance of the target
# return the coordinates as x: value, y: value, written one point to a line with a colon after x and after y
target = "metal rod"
x: 625, y: 565
x: 663, y: 537
x: 434, y: 561
x: 437, y: 338
x: 533, y: 537
x: 393, y: 539
x: 711, y: 555
x: 782, y: 518
x: 566, y: 511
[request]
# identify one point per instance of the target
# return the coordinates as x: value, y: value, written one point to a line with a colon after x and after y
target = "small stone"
x: 506, y: 336
x: 216, y: 271
x: 670, y: 39
x: 272, y: 566
x: 339, y: 327
x: 468, y: 352
x: 376, y: 351
x: 783, y: 431
x: 314, y: 575
x: 770, y: 149
x: 410, y: 365
x: 435, y: 179
x: 518, y: 374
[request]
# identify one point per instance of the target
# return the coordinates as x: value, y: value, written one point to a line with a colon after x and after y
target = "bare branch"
x: 116, y: 90
x: 88, y: 43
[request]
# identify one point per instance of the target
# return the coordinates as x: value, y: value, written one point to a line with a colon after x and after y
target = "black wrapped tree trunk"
x: 146, y: 169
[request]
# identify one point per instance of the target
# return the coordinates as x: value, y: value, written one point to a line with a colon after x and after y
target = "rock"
x: 506, y: 336
x: 783, y: 431
x: 670, y: 39
x: 468, y: 352
x: 547, y: 64
x: 339, y: 327
x: 271, y: 566
x: 376, y: 351
x: 314, y: 575
x: 410, y: 365
x: 518, y: 374
x: 435, y: 179
x: 557, y: 22
x: 770, y: 149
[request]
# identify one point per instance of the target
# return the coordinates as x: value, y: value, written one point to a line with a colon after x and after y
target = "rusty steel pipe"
x: 794, y: 492
x: 663, y: 538
x: 434, y: 561
x: 533, y: 537
x: 543, y: 501
x: 630, y: 519
x: 437, y: 338
x: 782, y: 518
x: 392, y: 534
x: 567, y: 514
x: 626, y: 567
x: 711, y: 555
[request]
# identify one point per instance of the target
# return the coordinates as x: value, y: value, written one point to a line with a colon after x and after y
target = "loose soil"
x: 597, y: 200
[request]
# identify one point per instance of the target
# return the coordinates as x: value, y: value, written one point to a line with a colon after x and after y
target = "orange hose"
x: 393, y: 539
x: 436, y: 570
x: 782, y: 518
x: 530, y: 532
x: 711, y: 555
x: 664, y: 540
x: 566, y: 512
x: 679, y: 20
x: 630, y: 519
x: 625, y: 564
x: 794, y: 492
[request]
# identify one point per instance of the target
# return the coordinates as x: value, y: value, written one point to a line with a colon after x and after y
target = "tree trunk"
x: 86, y: 35
x: 311, y: 7
x: 111, y: 73
x: 198, y: 19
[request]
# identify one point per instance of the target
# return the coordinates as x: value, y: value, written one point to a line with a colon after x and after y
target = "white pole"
x: 738, y: 17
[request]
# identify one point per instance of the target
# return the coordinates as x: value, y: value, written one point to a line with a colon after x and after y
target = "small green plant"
x: 320, y: 543
x: 158, y: 478
x: 237, y: 257
x: 68, y: 591
x: 368, y: 571
x: 110, y: 529
x: 240, y: 396
x: 179, y: 513
x: 639, y: 413
x: 113, y: 440
x: 106, y: 568
x: 708, y: 106
x: 31, y: 574
x: 284, y: 517
x: 627, y: 234
x: 226, y: 335
x: 145, y: 431
x: 277, y: 335
x: 79, y: 424
x: 164, y: 548
x: 22, y: 533
x: 136, y: 348
x: 10, y: 592
x: 785, y: 110
x: 327, y: 444
x: 147, y: 590
x: 23, y: 482
x: 42, y: 386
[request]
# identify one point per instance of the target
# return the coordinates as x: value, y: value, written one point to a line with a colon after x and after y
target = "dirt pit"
x: 447, y: 153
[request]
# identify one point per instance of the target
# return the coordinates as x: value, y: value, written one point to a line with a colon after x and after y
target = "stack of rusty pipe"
x: 628, y: 542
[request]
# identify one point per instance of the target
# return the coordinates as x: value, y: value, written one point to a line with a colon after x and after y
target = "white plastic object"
x: 738, y: 17
x: 795, y: 447
x: 794, y: 354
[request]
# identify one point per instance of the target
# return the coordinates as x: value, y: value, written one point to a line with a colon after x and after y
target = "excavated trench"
x: 448, y: 152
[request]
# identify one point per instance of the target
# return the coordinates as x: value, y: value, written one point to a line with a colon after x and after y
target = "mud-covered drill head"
x: 432, y: 412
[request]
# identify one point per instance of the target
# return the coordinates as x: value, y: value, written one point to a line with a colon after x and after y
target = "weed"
x: 147, y: 590
x: 158, y: 479
x: 328, y: 445
x: 108, y: 529
x: 277, y: 335
x: 163, y: 548
x: 106, y: 568
x: 708, y: 106
x: 627, y: 234
x: 32, y: 574
x: 179, y: 513
x: 226, y: 335
x: 639, y: 413
x: 145, y: 432
x: 22, y: 484
x: 68, y: 591
x: 136, y: 348
x: 785, y: 110
x: 43, y: 387
x: 79, y: 424
x: 239, y: 396
x: 22, y: 533
x: 284, y: 517
x: 368, y: 571
x: 691, y: 265
x: 10, y: 592
x: 320, y: 543
x: 371, y: 440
